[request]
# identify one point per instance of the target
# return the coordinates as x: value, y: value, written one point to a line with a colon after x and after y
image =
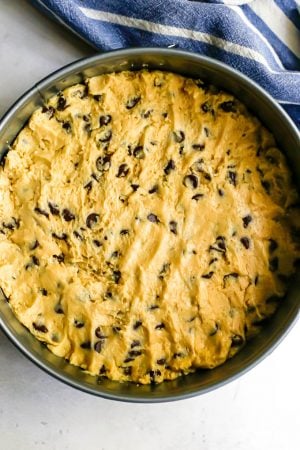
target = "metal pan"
x: 287, y: 136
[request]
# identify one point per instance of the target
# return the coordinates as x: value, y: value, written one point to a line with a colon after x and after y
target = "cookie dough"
x: 148, y: 226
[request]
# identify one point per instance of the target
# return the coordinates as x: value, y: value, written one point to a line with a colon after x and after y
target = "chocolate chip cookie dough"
x: 148, y: 226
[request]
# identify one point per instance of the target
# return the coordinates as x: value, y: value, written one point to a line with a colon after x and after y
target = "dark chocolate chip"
x: 212, y: 261
x: 153, y: 189
x: 197, y: 197
x: 207, y: 275
x: 99, y: 334
x: 237, y: 340
x: 137, y: 324
x: 92, y: 219
x: 60, y: 237
x: 58, y: 309
x: 246, y: 242
x: 105, y: 120
x: 86, y: 345
x: 134, y: 353
x: 99, y: 345
x: 49, y: 110
x: 256, y: 280
x: 44, y: 292
x: 88, y: 186
x: 61, y: 103
x: 67, y: 126
x: 103, y: 163
x: 41, y: 211
x: 173, y: 226
x: 124, y: 232
x: 131, y: 103
x: 35, y: 245
x: 228, y: 106
x: 135, y: 343
x: 102, y: 370
x: 220, y: 192
x: 127, y: 370
x: 53, y: 209
x: 273, y: 264
x: 135, y: 187
x: 246, y: 220
x: 272, y: 245
x: 190, y: 181
x: 232, y: 177
x: 206, y: 131
x: 152, y: 218
x: 116, y: 329
x: 160, y: 326
x: 138, y: 152
x: 60, y: 258
x: 266, y: 185
x: 78, y: 323
x: 231, y: 275
x: 161, y: 362
x: 178, y: 136
x: 77, y: 235
x: 106, y: 136
x: 38, y: 327
x: 127, y: 360
x: 146, y: 114
x: 169, y: 167
x: 123, y: 171
x: 97, y: 97
x: 206, y: 107
x: 97, y: 243
x: 116, y: 275
x: 35, y: 260
x: 67, y: 215
x: 198, y: 147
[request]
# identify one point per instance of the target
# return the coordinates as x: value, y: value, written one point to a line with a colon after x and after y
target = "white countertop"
x: 259, y: 411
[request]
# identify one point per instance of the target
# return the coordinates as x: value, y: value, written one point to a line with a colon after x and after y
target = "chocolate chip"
x: 102, y: 370
x: 173, y: 226
x: 127, y: 360
x: 230, y: 275
x: 60, y: 237
x: 134, y: 353
x: 135, y: 187
x: 53, y: 209
x: 41, y: 328
x: 99, y: 334
x: 35, y: 245
x: 92, y: 219
x: 161, y: 361
x: 124, y: 232
x: 198, y: 147
x: 237, y: 340
x: 127, y: 370
x: 97, y: 97
x: 152, y: 218
x: 165, y: 115
x: 123, y: 171
x: 160, y: 326
x: 137, y: 324
x: 232, y: 177
x: 266, y: 185
x: 178, y: 355
x: 116, y: 275
x: 67, y: 126
x: 273, y: 264
x: 272, y: 245
x: 103, y: 163
x: 88, y: 186
x: 212, y: 261
x: 99, y: 345
x: 207, y: 275
x: 106, y: 136
x: 206, y: 107
x: 146, y: 114
x: 228, y: 106
x: 256, y: 280
x: 135, y: 343
x: 153, y: 189
x: 58, y: 309
x: 246, y: 220
x: 190, y: 181
x: 178, y: 136
x: 138, y: 152
x: 246, y: 242
x: 116, y: 329
x: 78, y: 323
x: 49, y: 110
x: 86, y: 345
x: 206, y: 131
x: 153, y: 307
x: 41, y: 211
x: 105, y: 120
x: 97, y: 243
x: 61, y: 103
x: 131, y: 103
x: 197, y: 197
x: 44, y: 292
x: 220, y: 192
x: 35, y: 260
x: 169, y: 167
x: 60, y: 258
x: 77, y: 235
x: 67, y: 215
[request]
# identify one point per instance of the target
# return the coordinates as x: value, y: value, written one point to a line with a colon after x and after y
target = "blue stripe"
x: 287, y: 57
x: 289, y: 8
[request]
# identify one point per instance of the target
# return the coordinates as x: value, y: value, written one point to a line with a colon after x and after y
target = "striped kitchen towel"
x: 261, y: 38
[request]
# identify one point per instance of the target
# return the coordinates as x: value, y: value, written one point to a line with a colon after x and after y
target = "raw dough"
x: 148, y: 225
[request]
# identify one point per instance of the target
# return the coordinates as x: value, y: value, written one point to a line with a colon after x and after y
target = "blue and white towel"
x: 261, y: 38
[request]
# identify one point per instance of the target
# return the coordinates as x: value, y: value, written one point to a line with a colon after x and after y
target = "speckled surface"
x: 260, y: 410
